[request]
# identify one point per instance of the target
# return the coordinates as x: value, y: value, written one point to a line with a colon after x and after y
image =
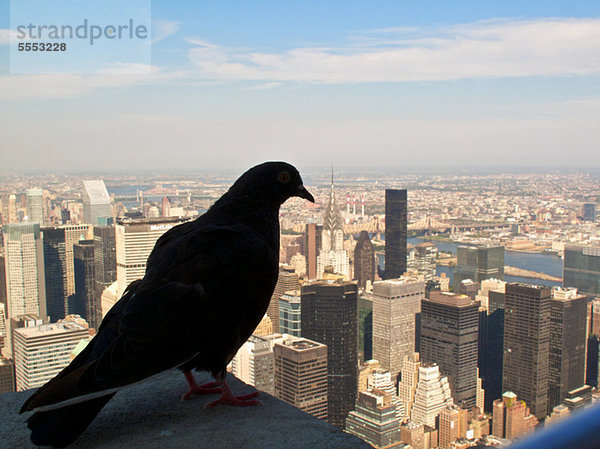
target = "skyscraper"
x: 105, y: 269
x: 41, y: 352
x: 431, y: 395
x: 301, y: 375
x: 290, y: 314
x: 582, y: 269
x: 589, y: 211
x: 287, y: 281
x: 35, y: 210
x: 374, y: 420
x: 96, y: 201
x: 73, y: 234
x: 364, y: 260
x: 567, y: 344
x: 312, y: 245
x: 512, y: 418
x: 55, y: 271
x: 134, y: 241
x: 527, y: 344
x: 365, y: 327
x: 396, y: 218
x: 254, y: 363
x: 449, y: 335
x: 329, y: 316
x: 25, y: 283
x: 479, y: 263
x: 395, y: 304
x: 407, y: 386
x: 82, y: 302
x: 332, y: 254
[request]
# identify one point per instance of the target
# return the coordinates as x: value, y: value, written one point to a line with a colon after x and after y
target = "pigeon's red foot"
x: 209, y: 388
x: 227, y: 397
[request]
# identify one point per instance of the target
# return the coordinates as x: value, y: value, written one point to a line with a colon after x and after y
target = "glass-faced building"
x: 396, y: 216
x: 582, y: 269
x: 479, y: 263
x: 290, y: 313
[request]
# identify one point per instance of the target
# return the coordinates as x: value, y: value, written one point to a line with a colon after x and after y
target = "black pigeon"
x: 207, y: 285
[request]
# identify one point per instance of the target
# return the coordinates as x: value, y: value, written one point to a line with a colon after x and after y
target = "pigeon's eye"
x: 284, y: 177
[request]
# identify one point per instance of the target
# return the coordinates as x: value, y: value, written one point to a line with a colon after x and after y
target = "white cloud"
x: 490, y: 49
x: 163, y: 29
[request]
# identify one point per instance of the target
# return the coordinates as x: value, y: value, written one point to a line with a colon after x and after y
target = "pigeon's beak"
x: 303, y: 193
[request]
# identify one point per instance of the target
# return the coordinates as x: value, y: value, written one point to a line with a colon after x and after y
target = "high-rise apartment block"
x: 364, y: 260
x: 329, y: 316
x: 582, y: 269
x: 449, y: 335
x: 567, y: 344
x: 396, y: 219
x: 41, y: 352
x: 479, y: 263
x: 527, y: 344
x: 96, y: 202
x: 134, y: 241
x: 301, y: 375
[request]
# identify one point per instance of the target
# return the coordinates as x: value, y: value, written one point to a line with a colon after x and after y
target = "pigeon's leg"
x: 227, y: 396
x: 209, y: 388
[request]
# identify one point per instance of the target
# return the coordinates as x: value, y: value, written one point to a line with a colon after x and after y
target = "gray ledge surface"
x: 152, y: 415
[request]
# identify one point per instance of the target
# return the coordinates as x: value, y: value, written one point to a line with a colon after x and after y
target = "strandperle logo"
x: 86, y: 31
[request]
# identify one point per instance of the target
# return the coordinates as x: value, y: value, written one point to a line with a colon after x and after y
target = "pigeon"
x: 207, y: 285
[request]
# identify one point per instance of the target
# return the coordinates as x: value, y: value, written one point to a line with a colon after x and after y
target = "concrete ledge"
x: 152, y: 415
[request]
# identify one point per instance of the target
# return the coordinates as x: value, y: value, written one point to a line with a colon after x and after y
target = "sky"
x: 402, y: 84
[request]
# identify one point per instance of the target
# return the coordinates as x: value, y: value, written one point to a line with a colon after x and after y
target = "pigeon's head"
x: 273, y: 182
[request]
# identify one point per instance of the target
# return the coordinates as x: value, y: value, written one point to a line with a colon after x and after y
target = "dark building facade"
x: 582, y: 269
x: 491, y: 349
x: 82, y: 302
x: 364, y: 260
x: 567, y: 345
x: 396, y: 218
x: 527, y: 344
x: 478, y: 264
x: 55, y: 271
x: 329, y: 316
x: 105, y: 269
x: 7, y: 375
x: 449, y: 336
x: 589, y: 211
x: 593, y: 359
x: 365, y: 328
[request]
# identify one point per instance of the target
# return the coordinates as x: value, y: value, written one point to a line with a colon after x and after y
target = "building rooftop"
x: 50, y: 329
x: 152, y: 415
x: 450, y: 299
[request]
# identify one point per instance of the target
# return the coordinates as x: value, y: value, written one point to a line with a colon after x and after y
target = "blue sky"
x: 402, y: 83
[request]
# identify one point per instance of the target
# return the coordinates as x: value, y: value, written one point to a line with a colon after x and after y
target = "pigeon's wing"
x: 154, y: 326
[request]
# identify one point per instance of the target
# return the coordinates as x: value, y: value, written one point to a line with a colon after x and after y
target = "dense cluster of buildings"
x: 393, y: 353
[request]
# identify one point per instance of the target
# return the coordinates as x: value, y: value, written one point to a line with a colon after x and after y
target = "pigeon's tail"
x: 61, y: 426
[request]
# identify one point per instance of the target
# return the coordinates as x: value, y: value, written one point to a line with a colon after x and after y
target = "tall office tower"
x: 254, y: 363
x: 566, y: 370
x: 3, y: 326
x: 491, y: 349
x: 41, y: 352
x: 511, y: 417
x: 134, y: 241
x: 55, y: 271
x: 364, y: 260
x: 407, y: 387
x: 82, y: 302
x: 589, y: 211
x: 290, y: 313
x: 479, y: 263
x: 431, y: 396
x: 332, y: 254
x: 395, y: 304
x: 301, y: 375
x: 25, y: 284
x: 396, y: 217
x: 329, y: 316
x: 374, y: 420
x: 35, y: 210
x: 382, y: 380
x: 582, y: 269
x: 73, y: 234
x: 527, y: 344
x: 365, y: 327
x: 287, y: 281
x: 96, y: 202
x: 2, y: 278
x: 7, y: 375
x: 423, y: 260
x: 593, y: 316
x: 312, y: 245
x: 105, y: 269
x: 449, y: 335
x: 12, y: 209
x: 592, y: 361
